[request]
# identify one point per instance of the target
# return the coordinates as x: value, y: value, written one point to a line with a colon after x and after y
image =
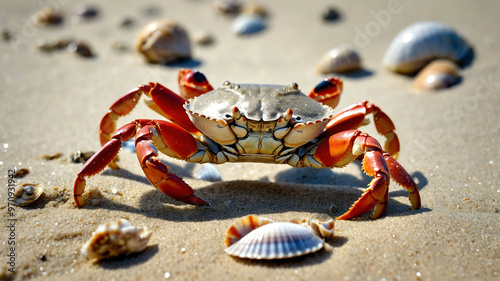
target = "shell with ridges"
x: 115, y: 239
x: 278, y: 240
x: 438, y: 74
x: 243, y: 226
x: 323, y: 230
x: 338, y: 60
x: 422, y: 42
x: 27, y: 193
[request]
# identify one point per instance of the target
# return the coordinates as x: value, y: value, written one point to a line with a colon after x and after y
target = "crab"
x: 251, y: 123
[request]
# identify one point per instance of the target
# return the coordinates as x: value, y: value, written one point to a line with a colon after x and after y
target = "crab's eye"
x: 298, y: 118
x: 199, y: 77
x: 323, y: 86
x: 228, y: 116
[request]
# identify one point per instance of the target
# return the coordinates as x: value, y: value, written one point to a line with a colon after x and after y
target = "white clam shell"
x: 437, y: 75
x: 278, y: 240
x: 422, y: 42
x: 208, y: 172
x: 27, y: 193
x: 115, y: 239
x: 338, y: 60
x: 248, y: 24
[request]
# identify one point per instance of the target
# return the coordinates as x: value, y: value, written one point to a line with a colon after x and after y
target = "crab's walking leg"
x: 176, y: 142
x: 342, y: 148
x: 100, y: 159
x: 168, y: 137
x: 354, y: 116
x: 163, y: 101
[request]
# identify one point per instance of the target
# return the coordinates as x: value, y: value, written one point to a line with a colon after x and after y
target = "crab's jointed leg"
x: 342, y: 148
x: 168, y: 137
x: 162, y: 100
x: 354, y: 116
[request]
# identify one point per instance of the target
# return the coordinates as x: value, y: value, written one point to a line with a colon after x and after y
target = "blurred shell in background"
x: 437, y: 75
x: 422, y: 42
x: 163, y: 42
x: 338, y: 60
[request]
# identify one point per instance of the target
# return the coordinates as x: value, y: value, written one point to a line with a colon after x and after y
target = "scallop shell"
x: 115, y: 239
x: 422, y: 42
x: 163, y: 42
x: 340, y: 59
x: 208, y: 172
x: 278, y: 240
x: 243, y: 226
x: 27, y: 193
x: 438, y: 74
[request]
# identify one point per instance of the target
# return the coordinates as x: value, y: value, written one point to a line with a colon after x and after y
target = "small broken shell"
x: 422, y: 42
x: 322, y: 229
x: 437, y: 75
x: 115, y: 239
x: 48, y: 16
x: 338, y: 60
x: 255, y: 237
x: 163, y: 42
x: 27, y: 193
x: 81, y: 157
x: 279, y: 240
x: 208, y: 172
x: 227, y: 7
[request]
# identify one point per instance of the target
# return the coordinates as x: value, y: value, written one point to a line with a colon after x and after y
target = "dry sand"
x: 53, y: 103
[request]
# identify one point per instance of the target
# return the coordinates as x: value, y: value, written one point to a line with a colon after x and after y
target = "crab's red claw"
x: 328, y: 92
x: 192, y: 83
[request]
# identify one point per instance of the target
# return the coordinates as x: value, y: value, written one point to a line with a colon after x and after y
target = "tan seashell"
x: 322, y: 229
x: 27, y: 193
x: 163, y: 42
x: 438, y: 74
x: 115, y: 239
x: 338, y: 60
x: 422, y: 42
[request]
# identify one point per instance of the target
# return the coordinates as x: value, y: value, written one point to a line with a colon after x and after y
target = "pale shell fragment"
x: 422, y: 42
x: 163, y: 42
x: 437, y: 75
x: 338, y: 60
x: 278, y: 240
x: 323, y: 230
x: 115, y: 239
x: 208, y: 172
x: 27, y: 193
x: 248, y: 24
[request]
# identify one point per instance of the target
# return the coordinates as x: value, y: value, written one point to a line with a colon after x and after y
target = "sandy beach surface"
x: 53, y: 102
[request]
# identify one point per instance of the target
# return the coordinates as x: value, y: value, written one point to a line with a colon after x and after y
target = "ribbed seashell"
x: 27, y: 193
x: 243, y: 226
x: 322, y: 229
x: 438, y: 74
x: 422, y: 42
x: 277, y: 240
x: 248, y: 24
x: 115, y: 239
x: 338, y: 60
x: 163, y: 42
x: 208, y: 172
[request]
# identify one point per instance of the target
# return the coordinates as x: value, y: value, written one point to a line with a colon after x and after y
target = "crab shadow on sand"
x: 330, y: 191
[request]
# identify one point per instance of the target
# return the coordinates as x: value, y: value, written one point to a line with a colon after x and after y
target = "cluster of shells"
x: 411, y: 51
x: 255, y: 237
